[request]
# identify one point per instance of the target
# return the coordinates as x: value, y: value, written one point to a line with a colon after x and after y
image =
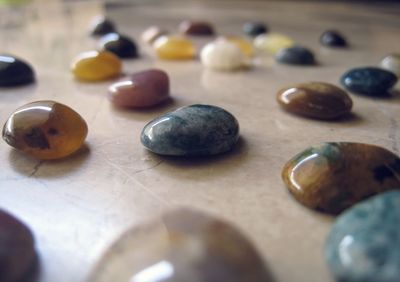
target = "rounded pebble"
x: 364, y: 243
x: 15, y: 72
x: 222, y: 55
x: 101, y: 26
x: 296, y: 55
x: 272, y: 42
x: 196, y: 28
x: 142, y: 89
x: 174, y: 48
x: 244, y: 45
x: 196, y: 130
x: 369, y: 81
x: 152, y: 33
x: 120, y: 45
x: 46, y: 130
x: 317, y: 100
x: 254, y: 28
x: 332, y: 38
x: 392, y: 63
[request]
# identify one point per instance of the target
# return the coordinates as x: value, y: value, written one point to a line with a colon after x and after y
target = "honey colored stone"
x: 196, y: 28
x: 332, y: 177
x: 152, y: 33
x: 45, y: 130
x: 317, y: 100
x: 273, y: 42
x: 174, y: 48
x: 96, y: 66
x: 142, y: 89
x: 182, y: 245
x: 244, y: 45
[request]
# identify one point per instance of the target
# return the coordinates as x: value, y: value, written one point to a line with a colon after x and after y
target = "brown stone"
x: 196, y: 28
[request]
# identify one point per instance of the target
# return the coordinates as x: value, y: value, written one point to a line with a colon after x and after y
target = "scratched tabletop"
x: 76, y: 207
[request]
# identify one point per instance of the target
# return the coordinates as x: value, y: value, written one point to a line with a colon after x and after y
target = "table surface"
x: 78, y: 206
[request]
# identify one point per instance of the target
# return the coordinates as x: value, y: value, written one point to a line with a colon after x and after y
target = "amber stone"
x: 182, y: 245
x: 101, y: 26
x: 45, y: 130
x: 152, y: 33
x: 96, y: 66
x: 17, y: 252
x: 317, y: 100
x: 331, y: 177
x: 174, y: 48
x: 196, y: 28
x: 120, y: 45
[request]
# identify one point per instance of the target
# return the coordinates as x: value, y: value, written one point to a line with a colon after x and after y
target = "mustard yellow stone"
x: 174, y: 48
x: 96, y: 66
x: 244, y: 45
x: 272, y: 42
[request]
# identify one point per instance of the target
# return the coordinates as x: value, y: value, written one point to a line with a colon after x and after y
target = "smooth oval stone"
x: 296, y: 55
x: 332, y: 38
x: 254, y: 28
x: 120, y: 45
x: 17, y: 251
x: 152, y: 33
x: 196, y: 28
x: 334, y: 176
x: 196, y: 130
x: 315, y: 100
x: 272, y: 42
x: 101, y: 26
x: 222, y: 55
x: 392, y: 63
x: 182, y: 245
x: 15, y: 71
x: 369, y: 81
x: 174, y: 48
x: 364, y: 243
x: 142, y: 89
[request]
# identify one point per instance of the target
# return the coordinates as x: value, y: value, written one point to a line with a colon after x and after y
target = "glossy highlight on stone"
x: 364, y: 243
x: 369, y: 81
x: 45, y: 130
x: 222, y: 55
x: 101, y: 26
x: 196, y: 28
x: 15, y: 71
x: 331, y: 177
x: 196, y: 130
x: 296, y: 55
x: 174, y: 48
x: 120, y: 45
x: 254, y: 28
x: 244, y: 45
x: 96, y: 66
x: 272, y: 42
x: 182, y: 245
x: 143, y: 89
x: 17, y: 251
x: 332, y: 38
x: 152, y: 33
x: 391, y: 63
x: 317, y: 100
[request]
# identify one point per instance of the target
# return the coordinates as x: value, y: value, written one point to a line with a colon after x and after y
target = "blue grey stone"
x: 296, y: 55
x: 196, y: 130
x: 364, y: 244
x: 15, y: 71
x: 369, y: 81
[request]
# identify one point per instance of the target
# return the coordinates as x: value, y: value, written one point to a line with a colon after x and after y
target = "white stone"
x: 392, y: 63
x: 222, y: 55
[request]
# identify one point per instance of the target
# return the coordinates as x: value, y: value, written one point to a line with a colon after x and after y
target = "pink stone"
x: 143, y: 89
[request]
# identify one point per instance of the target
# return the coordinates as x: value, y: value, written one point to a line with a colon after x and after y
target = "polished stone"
x: 17, y: 251
x: 101, y: 26
x: 334, y: 176
x: 254, y: 28
x: 152, y: 33
x: 196, y: 28
x: 194, y: 130
x: 332, y: 38
x: 96, y: 66
x: 317, y: 100
x: 174, y: 48
x: 369, y: 81
x: 15, y: 71
x: 222, y: 55
x: 45, y: 130
x: 364, y: 243
x: 182, y: 245
x: 272, y: 42
x: 120, y: 45
x: 296, y: 55
x: 244, y: 45
x: 143, y: 89
x: 391, y: 63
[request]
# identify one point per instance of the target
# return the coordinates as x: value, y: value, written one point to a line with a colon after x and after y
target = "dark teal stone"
x: 332, y: 38
x: 369, y: 81
x: 102, y: 27
x: 254, y: 28
x: 120, y: 45
x: 296, y: 55
x: 364, y: 244
x: 15, y: 71
x: 196, y: 130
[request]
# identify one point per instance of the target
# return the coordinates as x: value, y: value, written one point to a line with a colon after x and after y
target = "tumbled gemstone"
x: 334, y: 176
x: 15, y: 71
x: 273, y: 42
x: 315, y: 100
x: 244, y: 45
x: 120, y: 45
x: 196, y: 28
x: 296, y: 55
x: 195, y: 130
x: 142, y: 89
x: 152, y: 33
x: 254, y: 28
x: 332, y: 38
x: 364, y: 243
x: 392, y: 63
x: 102, y: 26
x: 17, y: 251
x: 182, y: 245
x: 45, y: 130
x: 222, y: 55
x: 369, y: 81
x: 96, y: 66
x: 174, y: 48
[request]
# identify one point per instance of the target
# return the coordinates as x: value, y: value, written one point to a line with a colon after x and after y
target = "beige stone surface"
x: 78, y: 206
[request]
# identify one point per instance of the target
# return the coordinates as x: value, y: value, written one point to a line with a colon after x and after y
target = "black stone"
x: 102, y: 26
x: 120, y: 45
x: 254, y: 28
x: 15, y: 72
x: 296, y: 55
x: 332, y: 38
